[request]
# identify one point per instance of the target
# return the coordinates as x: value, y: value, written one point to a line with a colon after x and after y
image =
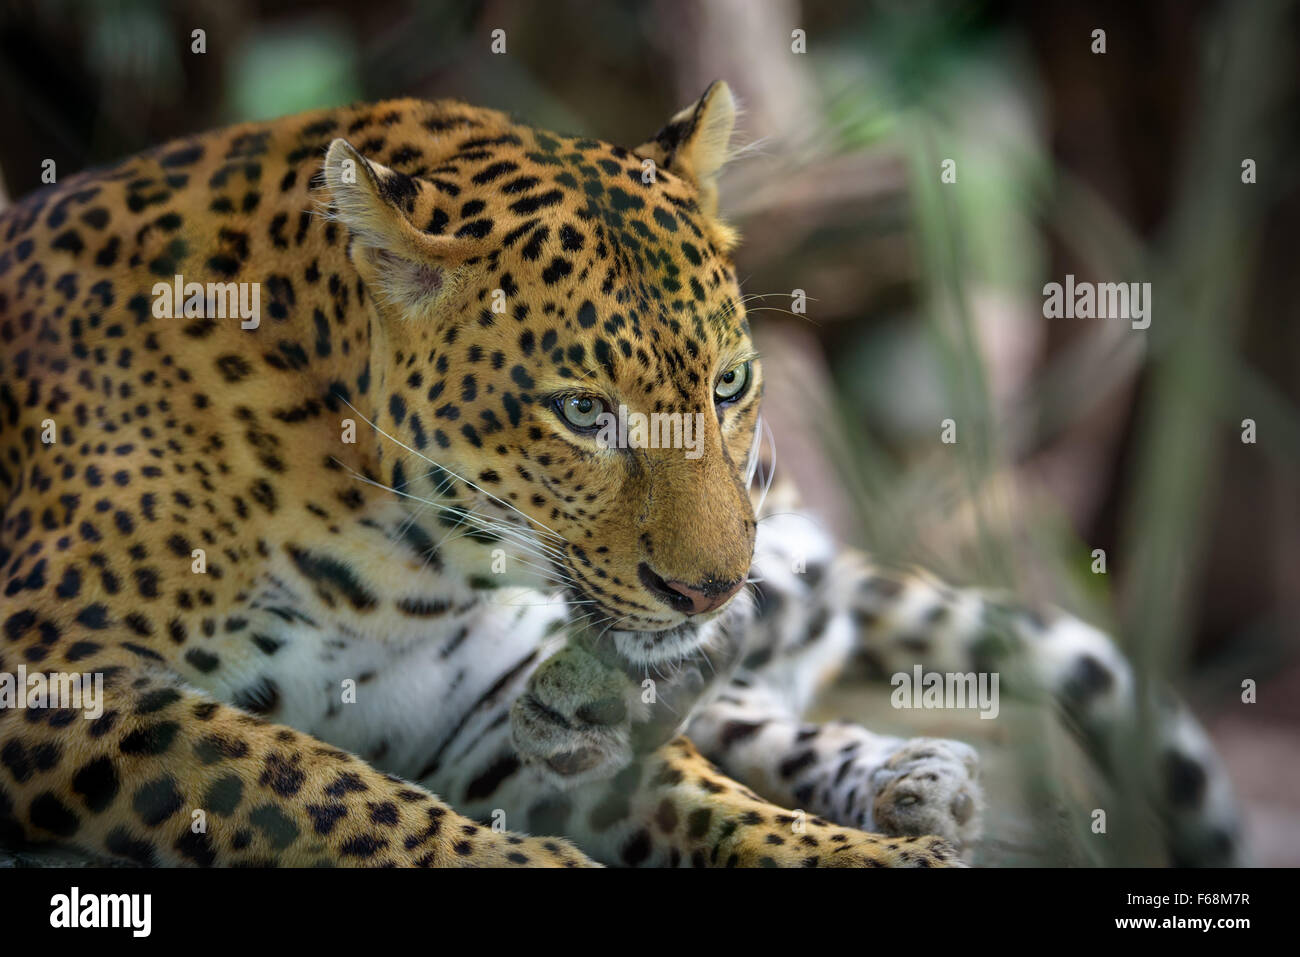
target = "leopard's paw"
x: 572, y: 722
x: 928, y: 786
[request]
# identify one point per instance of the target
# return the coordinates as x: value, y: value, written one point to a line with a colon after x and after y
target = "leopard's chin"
x: 651, y: 644
x: 667, y: 646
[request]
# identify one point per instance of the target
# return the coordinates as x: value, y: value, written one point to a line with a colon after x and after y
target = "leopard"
x: 363, y: 579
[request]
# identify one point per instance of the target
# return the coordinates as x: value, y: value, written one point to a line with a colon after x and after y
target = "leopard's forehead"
x: 605, y: 263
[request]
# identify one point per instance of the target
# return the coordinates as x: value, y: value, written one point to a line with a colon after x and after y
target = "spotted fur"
x: 840, y: 607
x: 353, y: 558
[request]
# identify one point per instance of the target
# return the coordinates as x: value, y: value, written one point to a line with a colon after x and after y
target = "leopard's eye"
x: 580, y: 411
x: 732, y: 383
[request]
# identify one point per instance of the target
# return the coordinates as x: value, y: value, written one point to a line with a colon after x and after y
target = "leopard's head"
x: 548, y: 314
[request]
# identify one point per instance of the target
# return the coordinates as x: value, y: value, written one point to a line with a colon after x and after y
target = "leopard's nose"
x: 704, y: 598
x: 687, y: 598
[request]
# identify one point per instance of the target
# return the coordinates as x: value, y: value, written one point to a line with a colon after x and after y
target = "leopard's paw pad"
x: 929, y: 786
x: 572, y: 722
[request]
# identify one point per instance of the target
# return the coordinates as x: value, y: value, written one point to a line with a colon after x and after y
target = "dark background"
x: 925, y: 298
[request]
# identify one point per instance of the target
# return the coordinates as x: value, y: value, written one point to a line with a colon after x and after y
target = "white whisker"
x: 461, y: 478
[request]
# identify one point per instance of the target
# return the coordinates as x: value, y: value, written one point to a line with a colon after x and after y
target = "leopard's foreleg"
x: 156, y: 773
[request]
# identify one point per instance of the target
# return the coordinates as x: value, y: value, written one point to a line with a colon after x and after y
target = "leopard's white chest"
x: 409, y: 669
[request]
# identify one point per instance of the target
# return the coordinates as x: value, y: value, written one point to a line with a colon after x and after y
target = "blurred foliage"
x: 292, y: 69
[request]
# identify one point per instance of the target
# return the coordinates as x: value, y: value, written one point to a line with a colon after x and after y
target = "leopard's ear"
x: 696, y: 142
x: 401, y: 264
